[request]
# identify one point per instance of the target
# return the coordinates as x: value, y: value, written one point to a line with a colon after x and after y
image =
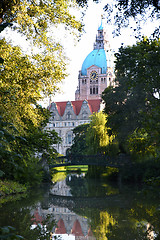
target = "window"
x: 69, y: 137
x: 94, y: 89
x: 103, y: 80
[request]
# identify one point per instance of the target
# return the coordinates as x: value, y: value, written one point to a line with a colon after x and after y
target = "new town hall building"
x: 95, y: 75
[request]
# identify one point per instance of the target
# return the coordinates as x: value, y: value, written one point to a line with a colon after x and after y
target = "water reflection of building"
x: 69, y: 224
x: 61, y: 189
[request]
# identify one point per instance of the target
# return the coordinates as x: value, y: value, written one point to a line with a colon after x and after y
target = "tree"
x: 20, y: 155
x: 139, y: 11
x: 23, y: 82
x: 123, y: 13
x: 26, y: 79
x: 97, y: 138
x: 132, y: 105
x: 36, y: 20
x: 79, y: 146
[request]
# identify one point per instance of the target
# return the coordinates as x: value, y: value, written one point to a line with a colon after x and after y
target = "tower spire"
x: 101, y: 26
x: 99, y: 43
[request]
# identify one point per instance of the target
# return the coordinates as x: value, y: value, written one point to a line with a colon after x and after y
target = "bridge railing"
x: 99, y: 159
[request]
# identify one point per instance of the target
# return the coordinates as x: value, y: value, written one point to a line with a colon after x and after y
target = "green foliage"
x: 22, y: 135
x: 97, y: 138
x: 23, y: 80
x: 8, y: 157
x: 34, y: 19
x: 122, y: 12
x: 79, y: 146
x: 140, y: 143
x: 7, y: 232
x: 132, y: 106
x: 26, y: 79
x: 10, y: 187
x: 18, y: 153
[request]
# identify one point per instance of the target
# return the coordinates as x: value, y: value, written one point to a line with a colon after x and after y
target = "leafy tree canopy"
x: 122, y: 13
x: 79, y: 146
x: 38, y: 21
x: 35, y: 17
x: 23, y: 81
x: 97, y: 137
x: 134, y: 102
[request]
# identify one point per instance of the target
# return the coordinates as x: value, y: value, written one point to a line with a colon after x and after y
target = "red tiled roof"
x: 60, y: 227
x: 94, y: 106
x: 61, y: 106
x: 77, y: 230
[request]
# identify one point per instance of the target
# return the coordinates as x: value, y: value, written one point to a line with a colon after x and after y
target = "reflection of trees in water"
x: 19, y: 214
x: 81, y: 186
x: 126, y: 215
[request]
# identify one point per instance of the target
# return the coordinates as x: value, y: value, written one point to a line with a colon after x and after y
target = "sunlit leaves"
x: 106, y: 221
x: 97, y: 137
x: 24, y: 81
x: 34, y: 18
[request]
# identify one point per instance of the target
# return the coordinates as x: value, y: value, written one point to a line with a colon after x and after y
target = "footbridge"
x: 92, y: 160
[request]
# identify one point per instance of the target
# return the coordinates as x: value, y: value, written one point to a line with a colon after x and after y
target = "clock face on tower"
x: 93, y: 75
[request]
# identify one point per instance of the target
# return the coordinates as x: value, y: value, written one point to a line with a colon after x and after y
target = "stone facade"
x: 67, y: 115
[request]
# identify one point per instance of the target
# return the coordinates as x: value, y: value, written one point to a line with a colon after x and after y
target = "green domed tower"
x: 96, y: 73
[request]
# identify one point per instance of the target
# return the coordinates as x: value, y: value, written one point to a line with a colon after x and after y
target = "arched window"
x: 93, y: 89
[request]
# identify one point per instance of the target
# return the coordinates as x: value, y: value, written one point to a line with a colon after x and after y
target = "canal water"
x: 76, y: 207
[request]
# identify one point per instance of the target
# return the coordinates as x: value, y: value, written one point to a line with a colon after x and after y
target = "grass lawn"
x: 82, y: 168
